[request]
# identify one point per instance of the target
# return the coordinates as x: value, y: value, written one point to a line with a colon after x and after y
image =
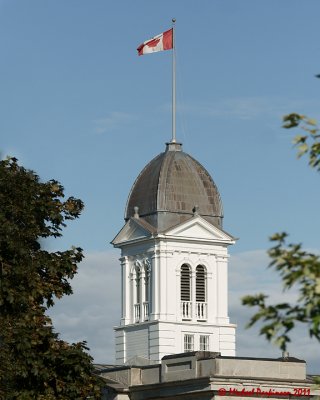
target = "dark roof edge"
x: 288, y: 359
x: 201, y: 355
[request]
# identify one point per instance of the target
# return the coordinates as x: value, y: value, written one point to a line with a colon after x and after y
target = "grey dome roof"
x: 170, y: 186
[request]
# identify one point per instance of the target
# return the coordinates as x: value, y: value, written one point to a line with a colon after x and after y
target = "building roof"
x: 171, y: 188
x: 203, y: 375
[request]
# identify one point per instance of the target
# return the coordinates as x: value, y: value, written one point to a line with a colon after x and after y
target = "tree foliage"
x: 309, y: 143
x: 296, y: 266
x: 34, y: 362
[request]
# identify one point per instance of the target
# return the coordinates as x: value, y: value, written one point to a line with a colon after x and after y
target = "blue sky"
x: 77, y: 104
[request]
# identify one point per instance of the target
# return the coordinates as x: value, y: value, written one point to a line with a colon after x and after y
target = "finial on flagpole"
x: 173, y: 140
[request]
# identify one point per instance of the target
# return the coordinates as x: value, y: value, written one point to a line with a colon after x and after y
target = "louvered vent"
x: 200, y: 284
x: 185, y: 283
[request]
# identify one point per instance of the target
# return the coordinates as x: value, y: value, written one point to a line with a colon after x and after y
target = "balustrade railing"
x: 144, y: 308
x: 137, y: 313
x: 186, y: 309
x: 146, y: 311
x: 201, y: 310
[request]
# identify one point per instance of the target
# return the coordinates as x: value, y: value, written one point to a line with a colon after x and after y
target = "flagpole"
x: 173, y: 140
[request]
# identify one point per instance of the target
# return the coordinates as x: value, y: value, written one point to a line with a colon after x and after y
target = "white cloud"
x: 251, y: 108
x: 248, y: 274
x: 243, y: 108
x: 94, y: 308
x: 113, y: 121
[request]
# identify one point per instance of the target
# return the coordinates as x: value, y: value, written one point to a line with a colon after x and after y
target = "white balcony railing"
x: 201, y: 311
x: 146, y: 311
x: 137, y: 313
x: 186, y: 310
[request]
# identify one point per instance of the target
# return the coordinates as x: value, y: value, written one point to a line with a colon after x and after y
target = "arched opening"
x: 185, y: 292
x: 201, y: 295
x: 137, y: 310
x: 146, y: 302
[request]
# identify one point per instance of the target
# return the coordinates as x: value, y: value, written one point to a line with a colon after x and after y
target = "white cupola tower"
x: 174, y: 263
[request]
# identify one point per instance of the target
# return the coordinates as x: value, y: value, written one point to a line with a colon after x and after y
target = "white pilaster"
x: 163, y: 289
x: 125, y: 291
x: 222, y: 293
x: 155, y: 285
x: 210, y: 289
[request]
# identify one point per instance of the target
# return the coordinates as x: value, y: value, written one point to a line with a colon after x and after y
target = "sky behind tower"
x: 77, y: 104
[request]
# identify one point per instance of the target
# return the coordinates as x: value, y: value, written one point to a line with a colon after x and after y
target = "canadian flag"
x: 161, y: 42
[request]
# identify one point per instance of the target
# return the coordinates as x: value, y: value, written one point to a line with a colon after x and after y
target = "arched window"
x: 201, y: 295
x: 146, y: 303
x: 200, y: 283
x: 147, y: 269
x: 137, y: 296
x: 185, y: 283
x: 146, y: 286
x: 138, y: 283
x: 141, y: 289
x: 185, y: 292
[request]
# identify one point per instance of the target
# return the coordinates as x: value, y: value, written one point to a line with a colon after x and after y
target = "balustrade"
x: 146, y: 311
x: 137, y: 313
x: 186, y: 309
x: 201, y: 310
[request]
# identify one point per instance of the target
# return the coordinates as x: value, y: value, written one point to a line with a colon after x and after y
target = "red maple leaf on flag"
x: 153, y: 43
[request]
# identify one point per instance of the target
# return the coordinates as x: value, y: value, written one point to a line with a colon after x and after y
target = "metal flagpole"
x: 173, y: 140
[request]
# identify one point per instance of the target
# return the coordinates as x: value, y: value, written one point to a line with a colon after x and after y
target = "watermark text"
x: 297, y: 392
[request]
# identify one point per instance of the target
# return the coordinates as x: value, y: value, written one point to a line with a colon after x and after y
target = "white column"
x: 211, y: 290
x: 132, y: 279
x: 142, y: 293
x: 155, y: 286
x: 162, y: 285
x: 125, y: 291
x: 147, y: 286
x: 222, y: 286
x: 178, y: 294
x: 193, y: 294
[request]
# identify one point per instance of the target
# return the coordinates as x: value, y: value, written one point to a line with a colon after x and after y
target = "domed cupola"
x: 174, y: 263
x: 171, y: 188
